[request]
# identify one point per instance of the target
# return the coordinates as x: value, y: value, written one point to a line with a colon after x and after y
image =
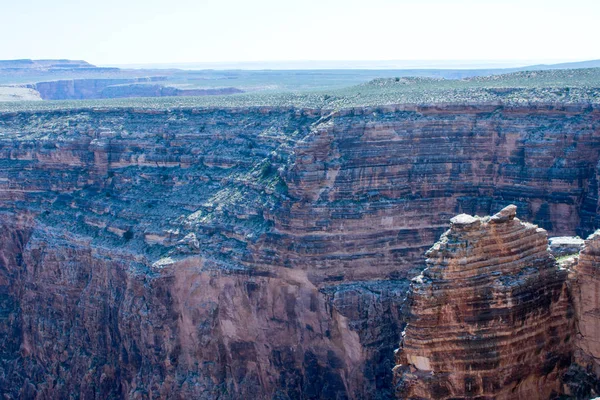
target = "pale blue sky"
x: 153, y: 31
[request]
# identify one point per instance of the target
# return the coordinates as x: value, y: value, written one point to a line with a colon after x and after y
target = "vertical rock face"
x: 152, y: 291
x: 586, y: 298
x: 376, y: 186
x: 176, y: 331
x: 489, y: 317
x: 265, y: 251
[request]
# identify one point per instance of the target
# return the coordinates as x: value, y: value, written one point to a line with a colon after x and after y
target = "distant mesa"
x: 48, y: 65
x: 44, y: 64
x: 79, y: 80
x: 85, y: 89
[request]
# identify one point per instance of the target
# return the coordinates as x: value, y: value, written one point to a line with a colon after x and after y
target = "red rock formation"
x: 277, y: 203
x: 586, y: 298
x: 374, y: 187
x: 488, y: 317
x: 172, y: 330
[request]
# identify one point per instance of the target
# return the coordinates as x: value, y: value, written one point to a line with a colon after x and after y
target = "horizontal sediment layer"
x: 489, y: 317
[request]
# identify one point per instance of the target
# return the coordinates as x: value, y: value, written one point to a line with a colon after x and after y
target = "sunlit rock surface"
x: 489, y: 317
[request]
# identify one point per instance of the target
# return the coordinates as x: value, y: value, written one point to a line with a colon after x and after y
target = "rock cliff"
x: 489, y: 317
x: 584, y: 376
x: 221, y: 252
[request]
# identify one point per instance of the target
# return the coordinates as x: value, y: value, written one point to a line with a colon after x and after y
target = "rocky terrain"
x: 585, y: 280
x: 501, y: 313
x: 490, y: 317
x: 226, y: 252
x: 587, y: 303
x: 305, y: 88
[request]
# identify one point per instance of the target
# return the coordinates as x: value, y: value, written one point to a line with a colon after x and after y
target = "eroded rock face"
x: 377, y: 186
x: 489, y: 317
x: 296, y: 229
x: 586, y: 296
x: 175, y: 330
x: 582, y: 380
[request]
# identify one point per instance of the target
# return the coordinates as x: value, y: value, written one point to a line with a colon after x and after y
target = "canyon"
x: 266, y: 252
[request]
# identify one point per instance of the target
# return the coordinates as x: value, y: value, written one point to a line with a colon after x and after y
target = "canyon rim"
x: 277, y: 247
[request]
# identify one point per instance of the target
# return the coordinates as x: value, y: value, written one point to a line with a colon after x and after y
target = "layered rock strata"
x: 586, y: 297
x: 489, y: 317
x: 582, y: 380
x: 252, y: 250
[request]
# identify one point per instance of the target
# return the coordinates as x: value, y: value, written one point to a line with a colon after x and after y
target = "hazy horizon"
x: 347, y: 64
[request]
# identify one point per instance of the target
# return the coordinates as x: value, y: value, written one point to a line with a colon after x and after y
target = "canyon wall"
x: 587, y: 301
x: 375, y: 187
x: 583, y: 378
x: 92, y: 323
x: 90, y: 88
x: 223, y: 252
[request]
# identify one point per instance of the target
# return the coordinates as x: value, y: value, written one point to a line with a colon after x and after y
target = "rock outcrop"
x: 254, y: 250
x: 489, y: 317
x: 158, y: 90
x: 586, y: 297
